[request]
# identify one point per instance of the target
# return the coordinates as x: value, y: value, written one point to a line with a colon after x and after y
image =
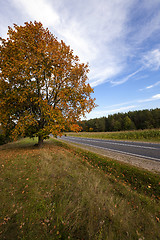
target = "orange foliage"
x: 43, y: 86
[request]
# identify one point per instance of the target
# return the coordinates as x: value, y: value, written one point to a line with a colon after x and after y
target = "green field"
x: 151, y: 135
x: 63, y: 192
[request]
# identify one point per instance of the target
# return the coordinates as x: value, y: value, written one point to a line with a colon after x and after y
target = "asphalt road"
x: 139, y: 149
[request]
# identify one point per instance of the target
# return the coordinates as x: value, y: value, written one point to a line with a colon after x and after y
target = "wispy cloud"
x: 121, y: 109
x: 97, y: 114
x: 156, y: 97
x: 151, y: 25
x: 93, y: 31
x: 133, y: 105
x: 39, y: 10
x: 100, y: 32
x: 153, y: 98
x: 125, y: 79
x: 153, y: 85
x: 152, y: 60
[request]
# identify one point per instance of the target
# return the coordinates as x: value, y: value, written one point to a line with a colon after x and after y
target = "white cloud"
x: 146, y: 14
x: 153, y: 85
x: 153, y: 98
x: 150, y: 86
x: 95, y: 29
x: 101, y: 113
x: 97, y: 36
x: 125, y: 79
x: 3, y: 31
x: 39, y: 10
x: 152, y: 59
x: 120, y: 107
x: 100, y: 32
x: 156, y: 97
x: 98, y: 74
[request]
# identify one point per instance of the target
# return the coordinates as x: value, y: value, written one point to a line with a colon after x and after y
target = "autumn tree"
x: 43, y: 85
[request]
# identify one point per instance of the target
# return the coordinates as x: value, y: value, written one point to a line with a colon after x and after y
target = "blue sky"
x: 120, y: 39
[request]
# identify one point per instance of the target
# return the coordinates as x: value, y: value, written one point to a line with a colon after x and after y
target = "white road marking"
x: 120, y: 144
x: 133, y: 154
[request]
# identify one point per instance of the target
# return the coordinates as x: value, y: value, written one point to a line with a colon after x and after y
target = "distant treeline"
x: 144, y: 119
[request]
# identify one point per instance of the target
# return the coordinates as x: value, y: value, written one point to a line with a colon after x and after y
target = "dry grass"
x: 55, y: 193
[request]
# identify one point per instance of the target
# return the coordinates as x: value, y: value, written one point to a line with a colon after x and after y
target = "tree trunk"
x: 40, y: 141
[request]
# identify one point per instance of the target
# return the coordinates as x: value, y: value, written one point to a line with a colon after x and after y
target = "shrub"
x: 3, y: 139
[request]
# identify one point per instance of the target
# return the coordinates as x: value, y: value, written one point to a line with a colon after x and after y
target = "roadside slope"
x: 142, y: 162
x: 62, y: 192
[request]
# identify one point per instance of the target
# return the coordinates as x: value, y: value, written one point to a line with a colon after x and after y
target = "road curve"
x: 139, y: 149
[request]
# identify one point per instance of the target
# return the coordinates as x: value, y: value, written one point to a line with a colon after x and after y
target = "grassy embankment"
x: 150, y: 135
x: 61, y: 192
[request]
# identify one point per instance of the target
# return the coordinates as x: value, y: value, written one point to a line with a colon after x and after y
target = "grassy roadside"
x: 61, y: 192
x: 150, y: 135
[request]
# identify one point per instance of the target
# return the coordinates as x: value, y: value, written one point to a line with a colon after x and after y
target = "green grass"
x: 151, y: 135
x: 63, y: 192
